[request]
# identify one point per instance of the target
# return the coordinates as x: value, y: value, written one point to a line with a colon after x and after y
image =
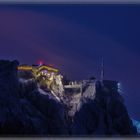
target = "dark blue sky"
x: 74, y: 38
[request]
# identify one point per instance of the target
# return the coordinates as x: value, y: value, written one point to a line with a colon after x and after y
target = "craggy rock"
x: 26, y: 110
x: 17, y: 116
x: 137, y: 124
x: 103, y: 116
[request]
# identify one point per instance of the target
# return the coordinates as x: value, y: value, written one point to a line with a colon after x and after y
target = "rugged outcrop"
x: 27, y: 110
x: 137, y: 124
x: 26, y: 114
x: 104, y: 116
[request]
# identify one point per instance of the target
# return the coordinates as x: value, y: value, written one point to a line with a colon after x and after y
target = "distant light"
x: 40, y: 62
x: 24, y: 68
x: 119, y: 87
x: 119, y: 84
x: 45, y: 71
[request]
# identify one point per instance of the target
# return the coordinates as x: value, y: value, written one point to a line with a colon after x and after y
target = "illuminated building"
x: 38, y: 68
x: 43, y: 74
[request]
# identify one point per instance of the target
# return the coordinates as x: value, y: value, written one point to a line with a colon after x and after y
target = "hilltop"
x: 27, y: 108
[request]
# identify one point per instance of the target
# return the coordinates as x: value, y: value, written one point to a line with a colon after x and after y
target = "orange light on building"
x: 48, y: 68
x: 24, y: 68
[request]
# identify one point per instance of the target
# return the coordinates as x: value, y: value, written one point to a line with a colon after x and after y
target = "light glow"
x: 25, y: 68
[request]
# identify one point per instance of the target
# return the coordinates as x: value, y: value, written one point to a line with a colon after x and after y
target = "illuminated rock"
x: 86, y: 108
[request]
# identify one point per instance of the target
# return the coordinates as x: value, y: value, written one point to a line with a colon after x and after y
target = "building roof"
x: 42, y: 67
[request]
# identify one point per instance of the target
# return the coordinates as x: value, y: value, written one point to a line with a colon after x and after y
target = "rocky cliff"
x: 27, y: 111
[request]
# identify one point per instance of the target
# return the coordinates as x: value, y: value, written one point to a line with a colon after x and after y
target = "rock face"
x: 137, y: 124
x: 26, y: 114
x: 26, y: 110
x: 8, y: 78
x: 105, y: 115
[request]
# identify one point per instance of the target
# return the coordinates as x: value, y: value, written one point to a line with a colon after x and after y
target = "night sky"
x: 74, y: 38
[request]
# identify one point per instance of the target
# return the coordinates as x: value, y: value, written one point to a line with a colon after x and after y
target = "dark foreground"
x: 24, y: 111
